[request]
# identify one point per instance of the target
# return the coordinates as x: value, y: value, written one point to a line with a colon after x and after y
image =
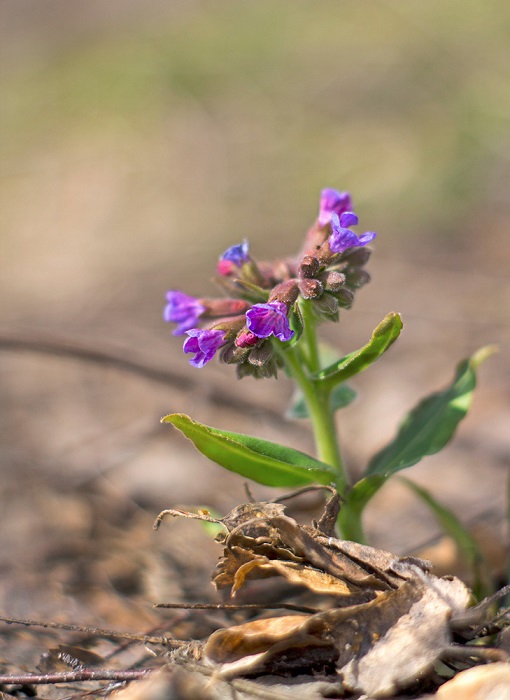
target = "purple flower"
x: 333, y: 202
x: 271, y: 318
x: 236, y: 255
x: 342, y: 237
x: 204, y: 344
x: 182, y: 309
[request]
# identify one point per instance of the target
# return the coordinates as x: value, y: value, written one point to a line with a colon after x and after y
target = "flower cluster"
x: 263, y: 313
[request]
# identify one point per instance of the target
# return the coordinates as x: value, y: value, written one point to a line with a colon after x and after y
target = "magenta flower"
x: 342, y: 238
x: 204, y: 344
x: 268, y: 319
x: 183, y: 310
x: 246, y: 339
x: 333, y: 202
x: 235, y: 256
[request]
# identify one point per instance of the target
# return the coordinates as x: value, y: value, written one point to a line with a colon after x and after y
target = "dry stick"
x: 178, y: 513
x: 242, y: 606
x: 64, y: 348
x: 305, y: 489
x: 95, y: 631
x: 132, y: 675
x: 74, y: 677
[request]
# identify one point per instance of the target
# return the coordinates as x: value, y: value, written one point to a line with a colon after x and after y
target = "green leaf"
x: 382, y: 338
x: 425, y: 431
x: 432, y: 423
x: 464, y: 541
x: 341, y: 396
x: 265, y: 462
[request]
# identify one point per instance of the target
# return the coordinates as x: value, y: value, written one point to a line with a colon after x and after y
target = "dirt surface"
x: 137, y: 145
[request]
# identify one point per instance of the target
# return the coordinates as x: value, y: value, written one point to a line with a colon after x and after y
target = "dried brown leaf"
x: 391, y: 622
x: 479, y: 683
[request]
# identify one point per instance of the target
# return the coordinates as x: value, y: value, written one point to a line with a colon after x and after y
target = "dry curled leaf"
x: 377, y: 647
x: 480, y: 683
x: 381, y: 622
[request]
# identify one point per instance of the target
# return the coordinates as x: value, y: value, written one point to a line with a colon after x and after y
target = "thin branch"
x: 65, y: 348
x: 95, y: 631
x: 75, y: 677
x: 176, y: 512
x: 243, y: 606
x: 305, y: 489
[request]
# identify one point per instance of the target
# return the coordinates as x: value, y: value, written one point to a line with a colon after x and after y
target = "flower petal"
x: 268, y: 319
x: 237, y: 254
x: 183, y: 310
x: 204, y: 343
x: 333, y: 202
x: 342, y: 238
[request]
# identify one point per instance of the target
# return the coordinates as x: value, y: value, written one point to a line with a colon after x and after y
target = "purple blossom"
x: 183, y: 310
x: 342, y: 237
x: 271, y: 318
x: 236, y: 255
x: 333, y: 202
x: 204, y: 344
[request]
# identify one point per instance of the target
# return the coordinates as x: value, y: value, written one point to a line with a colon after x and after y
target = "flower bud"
x: 246, y: 339
x: 240, y: 288
x: 261, y: 355
x: 224, y: 307
x: 357, y: 278
x: 344, y: 298
x: 310, y: 288
x: 326, y: 307
x: 309, y: 266
x: 281, y: 270
x: 232, y: 355
x: 324, y: 254
x: 286, y: 292
x: 332, y: 280
x: 356, y: 257
x: 266, y: 371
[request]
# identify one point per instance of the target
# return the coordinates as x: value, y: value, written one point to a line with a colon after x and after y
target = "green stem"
x: 310, y: 336
x: 350, y: 524
x: 318, y: 401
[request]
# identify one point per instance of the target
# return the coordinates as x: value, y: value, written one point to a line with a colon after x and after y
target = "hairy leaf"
x: 432, y: 423
x: 424, y: 431
x: 263, y: 461
x: 382, y: 338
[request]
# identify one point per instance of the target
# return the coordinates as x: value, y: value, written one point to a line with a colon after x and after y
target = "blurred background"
x: 138, y: 141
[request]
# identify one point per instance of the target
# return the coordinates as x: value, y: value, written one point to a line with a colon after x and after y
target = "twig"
x: 65, y: 348
x: 95, y: 631
x: 75, y: 677
x: 305, y: 489
x: 176, y: 512
x: 242, y: 606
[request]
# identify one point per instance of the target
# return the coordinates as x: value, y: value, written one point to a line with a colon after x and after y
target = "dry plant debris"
x: 353, y: 621
x: 380, y: 622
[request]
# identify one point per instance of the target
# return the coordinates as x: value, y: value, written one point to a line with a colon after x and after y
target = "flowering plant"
x: 269, y: 322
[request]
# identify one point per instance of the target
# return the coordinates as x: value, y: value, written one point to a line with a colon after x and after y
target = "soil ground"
x: 136, y: 146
